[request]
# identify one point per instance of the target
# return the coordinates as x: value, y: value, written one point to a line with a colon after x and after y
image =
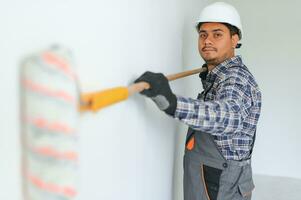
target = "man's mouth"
x: 209, y: 49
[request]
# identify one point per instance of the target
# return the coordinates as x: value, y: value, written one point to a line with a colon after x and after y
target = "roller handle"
x: 139, y: 87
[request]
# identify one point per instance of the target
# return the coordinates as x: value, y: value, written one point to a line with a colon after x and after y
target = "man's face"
x: 216, y: 43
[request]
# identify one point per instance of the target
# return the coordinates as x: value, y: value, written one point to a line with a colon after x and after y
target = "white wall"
x: 126, y: 149
x: 272, y: 48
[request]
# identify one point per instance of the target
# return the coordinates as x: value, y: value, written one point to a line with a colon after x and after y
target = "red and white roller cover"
x: 49, y: 101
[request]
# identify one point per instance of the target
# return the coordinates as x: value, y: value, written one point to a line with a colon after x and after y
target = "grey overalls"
x: 209, y: 176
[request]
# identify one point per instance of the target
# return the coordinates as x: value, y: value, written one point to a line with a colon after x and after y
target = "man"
x: 222, y: 120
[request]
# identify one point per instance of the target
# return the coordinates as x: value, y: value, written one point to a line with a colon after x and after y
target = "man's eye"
x: 218, y: 35
x: 203, y: 35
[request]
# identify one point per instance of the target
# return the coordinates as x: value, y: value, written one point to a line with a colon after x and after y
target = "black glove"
x: 159, y: 91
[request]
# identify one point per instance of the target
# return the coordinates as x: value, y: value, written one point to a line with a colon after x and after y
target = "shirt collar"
x: 220, y: 68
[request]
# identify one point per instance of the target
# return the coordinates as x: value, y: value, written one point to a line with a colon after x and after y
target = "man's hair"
x: 233, y: 29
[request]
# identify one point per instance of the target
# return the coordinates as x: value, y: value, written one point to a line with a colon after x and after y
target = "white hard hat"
x: 221, y: 12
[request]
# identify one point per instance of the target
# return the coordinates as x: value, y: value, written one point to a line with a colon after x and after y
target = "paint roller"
x: 49, y: 99
x: 97, y: 100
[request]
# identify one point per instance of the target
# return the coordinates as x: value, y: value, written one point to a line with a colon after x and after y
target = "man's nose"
x: 208, y: 40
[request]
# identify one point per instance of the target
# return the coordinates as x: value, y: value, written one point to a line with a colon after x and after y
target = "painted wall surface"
x: 272, y: 49
x: 126, y: 149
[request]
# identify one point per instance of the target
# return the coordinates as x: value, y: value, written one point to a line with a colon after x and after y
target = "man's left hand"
x: 159, y: 91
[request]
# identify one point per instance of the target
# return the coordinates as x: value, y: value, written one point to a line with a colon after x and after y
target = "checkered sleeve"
x: 223, y: 115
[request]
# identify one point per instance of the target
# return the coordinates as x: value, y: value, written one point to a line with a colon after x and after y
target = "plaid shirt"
x: 228, y: 108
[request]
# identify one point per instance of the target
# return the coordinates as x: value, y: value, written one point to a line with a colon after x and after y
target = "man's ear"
x: 235, y: 40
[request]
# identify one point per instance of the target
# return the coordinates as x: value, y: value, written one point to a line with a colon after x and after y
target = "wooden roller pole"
x: 139, y: 87
x: 97, y: 100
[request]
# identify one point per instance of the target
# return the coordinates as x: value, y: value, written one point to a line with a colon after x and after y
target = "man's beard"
x: 215, y: 61
x: 211, y: 61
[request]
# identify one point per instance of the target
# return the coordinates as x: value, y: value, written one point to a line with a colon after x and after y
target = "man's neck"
x: 211, y: 66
